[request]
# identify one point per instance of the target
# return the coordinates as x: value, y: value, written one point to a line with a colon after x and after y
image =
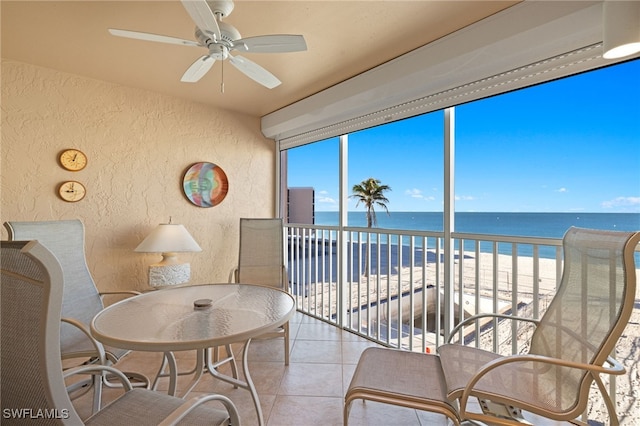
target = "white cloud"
x: 465, y: 198
x: 621, y: 202
x: 322, y: 197
x: 414, y: 193
x: 325, y: 200
x: 417, y: 193
x: 563, y: 189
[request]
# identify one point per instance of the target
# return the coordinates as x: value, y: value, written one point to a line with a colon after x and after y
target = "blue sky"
x: 572, y: 145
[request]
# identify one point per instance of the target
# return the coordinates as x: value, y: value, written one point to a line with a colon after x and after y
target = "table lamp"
x: 168, y: 239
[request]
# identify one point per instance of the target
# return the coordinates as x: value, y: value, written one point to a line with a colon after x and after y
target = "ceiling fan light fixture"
x: 219, y: 52
x: 621, y: 28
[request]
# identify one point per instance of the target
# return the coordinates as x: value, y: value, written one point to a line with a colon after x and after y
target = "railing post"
x: 449, y: 219
x: 342, y: 289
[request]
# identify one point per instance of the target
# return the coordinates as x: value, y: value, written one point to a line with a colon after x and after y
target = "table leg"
x: 200, y: 363
x: 203, y: 360
x: 247, y: 384
x: 251, y: 386
x: 230, y: 358
x: 161, y: 373
x: 173, y: 372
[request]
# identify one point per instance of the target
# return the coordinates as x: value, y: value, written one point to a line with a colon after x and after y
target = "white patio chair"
x: 33, y: 387
x: 81, y: 299
x: 569, y: 349
x: 261, y: 261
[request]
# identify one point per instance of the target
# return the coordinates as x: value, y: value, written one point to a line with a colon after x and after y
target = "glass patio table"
x: 196, y: 317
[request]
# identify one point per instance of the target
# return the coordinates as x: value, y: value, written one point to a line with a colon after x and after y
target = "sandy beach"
x: 524, y: 278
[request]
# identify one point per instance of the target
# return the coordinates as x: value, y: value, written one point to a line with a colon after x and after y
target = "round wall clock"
x: 72, y: 191
x: 73, y: 159
x: 205, y: 184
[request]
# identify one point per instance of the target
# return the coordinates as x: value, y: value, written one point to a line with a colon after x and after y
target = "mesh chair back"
x: 32, y: 384
x: 81, y: 300
x: 261, y: 259
x: 591, y: 308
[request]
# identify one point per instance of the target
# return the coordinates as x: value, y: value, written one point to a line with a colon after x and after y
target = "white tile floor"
x: 309, y: 392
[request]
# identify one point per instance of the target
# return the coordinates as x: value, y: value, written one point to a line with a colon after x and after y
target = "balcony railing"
x: 402, y: 289
x: 394, y: 282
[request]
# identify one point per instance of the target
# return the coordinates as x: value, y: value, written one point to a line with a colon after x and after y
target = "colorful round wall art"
x: 205, y: 184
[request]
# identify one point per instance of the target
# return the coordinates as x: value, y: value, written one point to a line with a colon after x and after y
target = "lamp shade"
x: 621, y: 28
x: 168, y: 238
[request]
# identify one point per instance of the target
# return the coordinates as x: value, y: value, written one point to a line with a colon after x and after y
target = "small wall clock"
x: 72, y: 191
x: 73, y: 159
x: 205, y: 184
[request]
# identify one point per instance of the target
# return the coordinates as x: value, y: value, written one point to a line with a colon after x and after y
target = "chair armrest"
x: 97, y: 345
x: 110, y: 297
x: 180, y: 412
x: 132, y: 292
x: 96, y: 368
x: 616, y: 369
x: 285, y: 275
x: 233, y: 275
x: 487, y: 315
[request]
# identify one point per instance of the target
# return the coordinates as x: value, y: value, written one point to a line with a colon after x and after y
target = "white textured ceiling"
x: 344, y: 39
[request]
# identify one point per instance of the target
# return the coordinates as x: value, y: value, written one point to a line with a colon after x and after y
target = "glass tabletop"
x: 168, y: 320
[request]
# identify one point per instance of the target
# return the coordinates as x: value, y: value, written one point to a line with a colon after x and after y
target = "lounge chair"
x: 569, y: 349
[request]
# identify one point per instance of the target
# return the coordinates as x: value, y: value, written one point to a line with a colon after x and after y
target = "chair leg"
x: 345, y: 413
x: 97, y: 392
x: 80, y: 388
x: 286, y: 343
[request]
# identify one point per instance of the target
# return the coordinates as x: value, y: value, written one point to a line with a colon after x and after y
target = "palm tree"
x: 370, y: 193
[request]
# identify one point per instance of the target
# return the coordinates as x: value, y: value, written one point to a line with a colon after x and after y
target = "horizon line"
x: 483, y: 212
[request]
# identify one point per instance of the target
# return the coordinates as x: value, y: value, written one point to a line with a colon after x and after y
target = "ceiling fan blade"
x: 198, y: 69
x: 202, y: 16
x: 255, y: 71
x: 152, y: 37
x: 271, y: 43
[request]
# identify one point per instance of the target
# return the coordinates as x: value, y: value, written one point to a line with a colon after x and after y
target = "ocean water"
x: 550, y: 225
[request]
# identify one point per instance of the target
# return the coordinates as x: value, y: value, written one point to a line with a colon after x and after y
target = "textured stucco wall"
x: 139, y: 144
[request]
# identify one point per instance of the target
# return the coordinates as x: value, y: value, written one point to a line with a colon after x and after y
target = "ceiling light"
x: 621, y: 28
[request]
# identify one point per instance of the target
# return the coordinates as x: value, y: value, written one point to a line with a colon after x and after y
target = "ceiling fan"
x: 220, y: 39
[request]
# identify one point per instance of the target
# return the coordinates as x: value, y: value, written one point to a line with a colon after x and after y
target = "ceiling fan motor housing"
x: 229, y: 33
x: 219, y: 50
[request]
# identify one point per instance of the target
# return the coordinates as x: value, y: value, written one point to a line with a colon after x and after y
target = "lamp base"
x: 166, y: 275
